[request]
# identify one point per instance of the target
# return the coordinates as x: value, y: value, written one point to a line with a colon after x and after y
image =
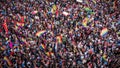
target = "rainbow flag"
x: 42, y: 47
x: 104, y: 57
x: 85, y: 21
x: 39, y: 33
x: 52, y: 54
x: 24, y: 40
x: 59, y: 39
x: 20, y: 24
x: 49, y: 53
x: 104, y: 32
x: 8, y: 61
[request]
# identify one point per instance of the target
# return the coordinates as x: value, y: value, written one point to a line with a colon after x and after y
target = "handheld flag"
x: 19, y: 24
x: 85, y: 21
x: 59, y: 39
x: 5, y: 26
x: 104, y: 57
x: 104, y: 32
x: 39, y: 33
x: 49, y: 53
x: 42, y: 47
x: 54, y: 8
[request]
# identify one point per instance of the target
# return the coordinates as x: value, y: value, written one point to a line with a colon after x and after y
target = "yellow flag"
x: 54, y: 8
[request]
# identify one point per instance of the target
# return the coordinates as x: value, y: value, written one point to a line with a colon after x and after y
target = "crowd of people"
x: 68, y: 41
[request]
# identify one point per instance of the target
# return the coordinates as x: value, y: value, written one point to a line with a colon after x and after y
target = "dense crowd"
x: 77, y: 45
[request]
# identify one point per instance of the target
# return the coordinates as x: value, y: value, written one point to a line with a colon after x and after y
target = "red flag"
x: 5, y: 26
